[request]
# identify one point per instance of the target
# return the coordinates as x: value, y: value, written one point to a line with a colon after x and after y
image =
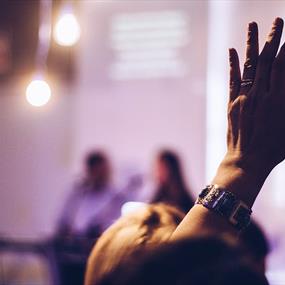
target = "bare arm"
x: 256, y: 129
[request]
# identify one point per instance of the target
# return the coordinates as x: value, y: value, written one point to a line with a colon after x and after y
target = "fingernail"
x: 249, y: 30
x: 252, y: 30
x: 276, y: 26
x: 231, y: 53
x: 277, y: 21
x: 252, y: 25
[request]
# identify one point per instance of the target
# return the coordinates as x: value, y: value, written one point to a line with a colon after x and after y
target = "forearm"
x: 243, y: 179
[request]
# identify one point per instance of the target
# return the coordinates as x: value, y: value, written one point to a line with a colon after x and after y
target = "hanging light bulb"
x: 67, y: 30
x: 38, y: 92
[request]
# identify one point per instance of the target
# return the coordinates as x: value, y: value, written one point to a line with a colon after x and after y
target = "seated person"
x: 94, y: 203
x: 171, y: 187
x: 195, y: 254
x: 92, y: 206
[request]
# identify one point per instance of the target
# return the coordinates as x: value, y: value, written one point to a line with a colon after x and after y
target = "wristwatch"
x: 225, y: 204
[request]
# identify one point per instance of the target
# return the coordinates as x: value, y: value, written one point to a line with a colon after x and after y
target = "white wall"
x: 35, y: 158
x: 133, y: 119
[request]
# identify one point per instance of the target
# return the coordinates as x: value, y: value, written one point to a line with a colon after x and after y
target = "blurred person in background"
x: 94, y: 202
x: 171, y: 187
x: 92, y: 206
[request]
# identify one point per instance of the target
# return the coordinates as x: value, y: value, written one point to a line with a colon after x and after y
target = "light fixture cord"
x: 44, y: 36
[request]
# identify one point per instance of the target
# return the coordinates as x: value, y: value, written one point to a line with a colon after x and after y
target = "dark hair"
x: 198, y: 261
x: 94, y: 159
x: 129, y: 237
x: 184, y: 201
x: 254, y: 241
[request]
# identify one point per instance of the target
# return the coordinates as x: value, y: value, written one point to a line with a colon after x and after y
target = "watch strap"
x: 226, y: 204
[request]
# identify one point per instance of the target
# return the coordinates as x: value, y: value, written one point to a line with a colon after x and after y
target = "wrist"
x: 243, y: 177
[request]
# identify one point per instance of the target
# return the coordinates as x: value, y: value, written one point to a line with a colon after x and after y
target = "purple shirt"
x: 87, y: 207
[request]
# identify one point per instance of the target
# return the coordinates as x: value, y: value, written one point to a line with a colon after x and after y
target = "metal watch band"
x: 225, y: 204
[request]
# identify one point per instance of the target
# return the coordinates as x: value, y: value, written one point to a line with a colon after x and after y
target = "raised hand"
x: 256, y: 109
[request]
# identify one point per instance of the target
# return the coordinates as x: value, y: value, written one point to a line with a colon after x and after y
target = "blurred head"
x: 97, y: 169
x: 129, y: 237
x: 196, y: 261
x: 171, y: 187
x: 167, y: 168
